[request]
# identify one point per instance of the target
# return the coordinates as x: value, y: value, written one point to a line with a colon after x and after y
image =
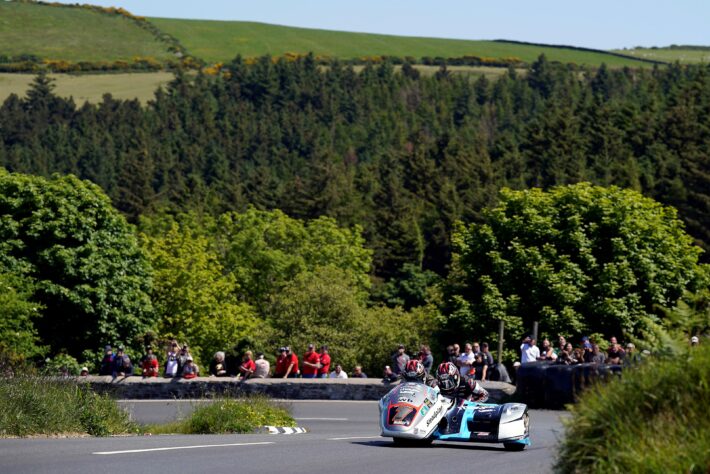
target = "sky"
x: 601, y: 24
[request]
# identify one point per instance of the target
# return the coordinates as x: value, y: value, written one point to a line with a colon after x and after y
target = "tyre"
x: 514, y: 446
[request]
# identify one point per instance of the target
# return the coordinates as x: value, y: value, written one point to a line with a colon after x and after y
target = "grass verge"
x: 654, y: 419
x: 47, y: 406
x: 228, y: 415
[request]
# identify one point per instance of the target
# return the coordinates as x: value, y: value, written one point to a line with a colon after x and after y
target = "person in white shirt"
x: 465, y: 361
x: 338, y: 373
x: 529, y: 351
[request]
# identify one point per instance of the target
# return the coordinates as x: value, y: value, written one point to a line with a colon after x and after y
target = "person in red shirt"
x: 324, y: 369
x: 150, y: 364
x: 291, y: 364
x: 248, y: 366
x: 281, y: 364
x: 311, y: 363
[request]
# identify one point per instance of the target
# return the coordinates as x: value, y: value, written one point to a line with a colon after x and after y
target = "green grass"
x: 228, y: 416
x: 73, y: 34
x: 653, y: 420
x: 91, y: 87
x: 47, y: 406
x: 687, y: 56
x: 221, y: 41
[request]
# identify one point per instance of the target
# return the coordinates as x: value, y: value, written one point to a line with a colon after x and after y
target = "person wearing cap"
x: 311, y: 363
x: 171, y: 360
x: 694, y: 341
x: 292, y: 364
x: 84, y: 372
x: 190, y: 370
x: 107, y: 362
x: 262, y: 366
x: 588, y: 353
x: 281, y: 364
x: 122, y: 366
x: 324, y: 361
x: 149, y: 363
x: 399, y: 360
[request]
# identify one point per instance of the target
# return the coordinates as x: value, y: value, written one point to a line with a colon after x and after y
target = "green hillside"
x: 216, y: 41
x: 671, y: 54
x: 73, y: 34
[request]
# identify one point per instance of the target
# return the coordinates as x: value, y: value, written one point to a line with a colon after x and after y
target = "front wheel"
x: 514, y: 446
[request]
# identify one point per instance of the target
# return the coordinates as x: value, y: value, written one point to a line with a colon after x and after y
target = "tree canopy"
x: 579, y: 259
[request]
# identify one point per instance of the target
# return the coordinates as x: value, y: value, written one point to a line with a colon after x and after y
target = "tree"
x: 91, y: 276
x: 579, y: 259
x: 194, y: 300
x: 18, y: 336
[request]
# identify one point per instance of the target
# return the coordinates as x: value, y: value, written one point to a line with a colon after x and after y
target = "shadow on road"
x: 436, y: 445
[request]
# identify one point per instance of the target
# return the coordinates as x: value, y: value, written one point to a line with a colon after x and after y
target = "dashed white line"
x: 172, y: 448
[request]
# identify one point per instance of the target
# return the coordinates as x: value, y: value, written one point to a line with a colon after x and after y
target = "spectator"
x: 338, y: 373
x: 579, y: 355
x: 182, y: 357
x: 597, y: 356
x: 84, y: 372
x: 218, y: 367
x: 454, y: 354
x: 122, y: 366
x: 289, y: 364
x: 561, y: 343
x: 587, y: 350
x: 311, y: 363
x: 399, y: 360
x: 466, y: 360
x: 324, y: 368
x: 480, y: 368
x: 388, y: 375
x: 546, y: 352
x: 615, y: 354
x: 694, y: 341
x: 358, y: 373
x: 107, y: 362
x: 190, y: 369
x: 487, y: 356
x: 529, y: 351
x: 248, y: 366
x: 426, y: 358
x: 476, y: 348
x: 262, y: 366
x: 171, y: 360
x: 567, y: 356
x: 149, y: 363
x: 281, y: 364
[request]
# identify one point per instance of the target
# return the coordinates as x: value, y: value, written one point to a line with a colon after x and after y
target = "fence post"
x: 534, y: 334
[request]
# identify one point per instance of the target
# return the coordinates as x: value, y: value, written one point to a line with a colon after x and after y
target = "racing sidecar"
x: 415, y: 414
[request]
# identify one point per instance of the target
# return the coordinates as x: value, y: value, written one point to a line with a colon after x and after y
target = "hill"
x: 74, y: 34
x: 671, y: 54
x: 221, y: 41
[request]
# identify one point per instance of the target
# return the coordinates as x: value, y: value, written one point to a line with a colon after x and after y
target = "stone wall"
x: 306, y: 389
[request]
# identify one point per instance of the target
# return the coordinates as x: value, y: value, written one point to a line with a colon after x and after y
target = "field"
x: 221, y: 41
x: 91, y: 87
x: 670, y: 55
x: 73, y: 34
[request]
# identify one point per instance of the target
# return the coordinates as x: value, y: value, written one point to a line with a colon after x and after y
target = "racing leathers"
x: 467, y: 390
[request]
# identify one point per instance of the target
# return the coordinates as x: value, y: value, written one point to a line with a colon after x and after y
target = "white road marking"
x: 172, y: 448
x: 322, y: 419
x: 354, y: 437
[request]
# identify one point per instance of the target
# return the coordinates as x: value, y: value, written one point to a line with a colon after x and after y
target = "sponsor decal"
x: 405, y: 399
x: 483, y: 433
x: 436, y: 413
x: 428, y: 403
x: 425, y: 410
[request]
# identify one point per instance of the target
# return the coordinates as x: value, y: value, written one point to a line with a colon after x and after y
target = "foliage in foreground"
x: 653, y: 419
x: 230, y: 416
x: 46, y: 406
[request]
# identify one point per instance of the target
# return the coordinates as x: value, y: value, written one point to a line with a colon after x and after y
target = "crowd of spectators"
x: 475, y: 361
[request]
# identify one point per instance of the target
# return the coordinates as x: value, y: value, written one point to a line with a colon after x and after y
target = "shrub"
x: 653, y: 419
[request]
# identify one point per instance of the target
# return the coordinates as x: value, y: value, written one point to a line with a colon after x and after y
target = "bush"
x: 230, y: 416
x: 653, y: 419
x: 47, y: 406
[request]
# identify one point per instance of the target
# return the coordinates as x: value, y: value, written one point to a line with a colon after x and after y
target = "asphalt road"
x: 343, y: 437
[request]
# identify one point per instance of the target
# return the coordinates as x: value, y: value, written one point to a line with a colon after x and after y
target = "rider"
x: 414, y: 372
x: 453, y: 385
